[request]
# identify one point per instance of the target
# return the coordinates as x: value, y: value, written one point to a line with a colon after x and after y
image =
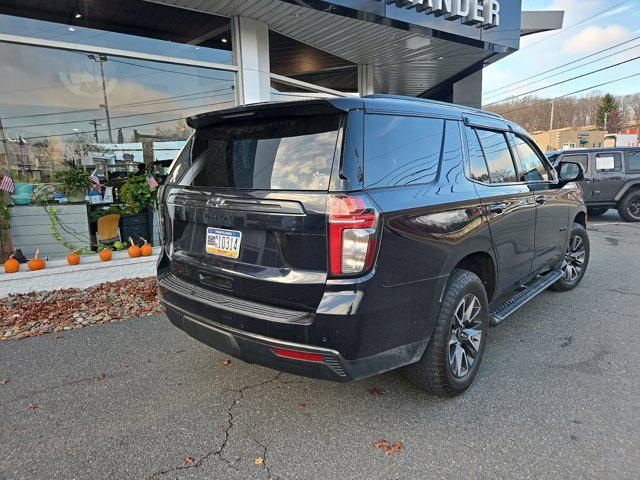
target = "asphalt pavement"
x: 557, y: 397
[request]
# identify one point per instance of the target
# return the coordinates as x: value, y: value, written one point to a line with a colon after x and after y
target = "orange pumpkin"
x: 36, y: 263
x: 73, y: 258
x: 133, y: 250
x: 146, y: 249
x: 11, y: 265
x: 105, y: 255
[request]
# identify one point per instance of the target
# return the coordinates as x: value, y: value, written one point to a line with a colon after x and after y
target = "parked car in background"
x: 342, y: 238
x: 611, y: 180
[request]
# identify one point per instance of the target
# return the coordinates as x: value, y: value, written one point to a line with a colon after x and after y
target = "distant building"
x: 568, y: 138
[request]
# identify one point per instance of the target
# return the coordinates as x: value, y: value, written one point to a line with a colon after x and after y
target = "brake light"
x: 352, y: 234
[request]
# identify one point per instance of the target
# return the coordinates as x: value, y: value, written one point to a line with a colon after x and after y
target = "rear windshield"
x: 284, y: 154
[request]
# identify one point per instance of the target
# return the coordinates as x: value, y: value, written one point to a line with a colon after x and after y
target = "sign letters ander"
x: 481, y: 13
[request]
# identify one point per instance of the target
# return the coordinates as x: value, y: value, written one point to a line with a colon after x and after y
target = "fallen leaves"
x: 4, y: 381
x: 38, y: 313
x: 32, y: 406
x: 225, y: 361
x: 258, y: 460
x: 301, y: 405
x: 100, y: 377
x: 376, y: 391
x: 188, y: 460
x: 389, y: 448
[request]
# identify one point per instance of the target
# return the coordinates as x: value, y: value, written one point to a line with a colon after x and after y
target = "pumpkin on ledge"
x: 133, y: 250
x: 105, y: 254
x: 11, y: 265
x: 73, y: 258
x: 146, y: 249
x: 36, y: 263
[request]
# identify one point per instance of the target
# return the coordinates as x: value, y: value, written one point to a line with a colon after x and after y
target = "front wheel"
x: 575, y: 261
x: 454, y: 353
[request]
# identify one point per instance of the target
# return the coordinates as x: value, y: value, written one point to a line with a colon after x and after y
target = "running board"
x: 501, y: 313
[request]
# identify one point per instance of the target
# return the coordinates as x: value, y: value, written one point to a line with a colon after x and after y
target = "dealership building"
x: 82, y: 72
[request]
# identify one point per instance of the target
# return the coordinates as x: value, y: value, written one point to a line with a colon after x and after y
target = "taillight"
x: 353, y: 222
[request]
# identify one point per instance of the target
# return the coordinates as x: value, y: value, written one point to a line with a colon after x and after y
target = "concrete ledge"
x: 91, y: 271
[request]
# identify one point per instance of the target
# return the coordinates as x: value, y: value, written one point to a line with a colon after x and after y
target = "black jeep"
x: 611, y: 180
x: 342, y: 238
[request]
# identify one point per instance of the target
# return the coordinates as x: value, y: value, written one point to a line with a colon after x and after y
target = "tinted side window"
x: 608, y: 162
x: 496, y: 151
x: 181, y: 164
x: 401, y: 150
x: 477, y: 165
x: 531, y: 166
x: 581, y: 159
x: 633, y: 161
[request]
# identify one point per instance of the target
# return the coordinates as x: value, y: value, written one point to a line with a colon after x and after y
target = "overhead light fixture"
x: 77, y: 15
x: 71, y: 29
x: 224, y: 40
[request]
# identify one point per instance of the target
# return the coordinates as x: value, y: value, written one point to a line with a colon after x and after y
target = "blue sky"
x: 549, y: 50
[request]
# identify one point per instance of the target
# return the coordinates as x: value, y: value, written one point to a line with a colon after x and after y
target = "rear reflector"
x: 310, y: 357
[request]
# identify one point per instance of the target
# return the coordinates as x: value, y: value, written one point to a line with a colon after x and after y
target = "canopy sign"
x: 481, y: 13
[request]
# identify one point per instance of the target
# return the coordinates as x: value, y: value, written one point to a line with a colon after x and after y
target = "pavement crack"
x: 219, y: 451
x: 265, y: 461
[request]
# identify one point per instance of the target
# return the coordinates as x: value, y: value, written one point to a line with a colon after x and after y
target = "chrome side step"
x: 501, y: 313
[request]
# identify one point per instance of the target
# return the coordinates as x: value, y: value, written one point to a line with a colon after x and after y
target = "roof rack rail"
x: 463, y: 108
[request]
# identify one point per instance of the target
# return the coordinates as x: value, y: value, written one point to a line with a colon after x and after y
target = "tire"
x: 575, y: 261
x: 435, y: 372
x: 597, y: 211
x: 629, y: 206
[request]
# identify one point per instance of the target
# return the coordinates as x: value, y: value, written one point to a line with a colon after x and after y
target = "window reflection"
x: 53, y: 106
x: 498, y: 155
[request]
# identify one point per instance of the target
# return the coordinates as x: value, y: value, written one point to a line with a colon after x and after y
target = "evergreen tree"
x: 608, y: 114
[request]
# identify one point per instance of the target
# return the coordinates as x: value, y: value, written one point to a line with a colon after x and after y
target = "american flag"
x: 6, y: 183
x: 94, y: 178
x: 151, y: 181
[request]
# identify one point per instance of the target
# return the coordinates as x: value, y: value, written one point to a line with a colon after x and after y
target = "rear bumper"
x: 254, y: 348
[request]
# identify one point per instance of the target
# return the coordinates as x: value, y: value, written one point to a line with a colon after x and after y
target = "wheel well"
x: 482, y: 265
x: 581, y: 218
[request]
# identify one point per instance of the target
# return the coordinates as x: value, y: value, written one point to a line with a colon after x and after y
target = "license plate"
x: 225, y: 243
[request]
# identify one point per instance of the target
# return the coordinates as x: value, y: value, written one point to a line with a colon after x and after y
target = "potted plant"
x: 137, y: 201
x: 73, y: 183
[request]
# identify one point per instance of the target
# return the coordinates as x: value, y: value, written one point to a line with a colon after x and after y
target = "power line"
x: 564, y: 81
x: 121, y: 105
x: 66, y: 122
x: 124, y: 126
x: 566, y: 65
x: 572, y: 93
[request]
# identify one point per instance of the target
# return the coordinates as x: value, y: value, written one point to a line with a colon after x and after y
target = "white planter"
x: 58, y: 274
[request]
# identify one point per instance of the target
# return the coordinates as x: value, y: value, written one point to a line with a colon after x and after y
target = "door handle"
x: 541, y: 199
x: 596, y: 180
x: 498, y: 207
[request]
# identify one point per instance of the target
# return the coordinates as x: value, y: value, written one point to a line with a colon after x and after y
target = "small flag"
x: 94, y: 178
x: 151, y: 181
x: 6, y: 183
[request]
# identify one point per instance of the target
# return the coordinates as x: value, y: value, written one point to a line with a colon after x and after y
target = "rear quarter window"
x: 401, y: 150
x: 633, y: 162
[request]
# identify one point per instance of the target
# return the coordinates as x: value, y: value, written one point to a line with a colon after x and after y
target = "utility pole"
x: 101, y: 60
x: 94, y: 122
x: 553, y: 114
x: 606, y: 122
x: 6, y: 149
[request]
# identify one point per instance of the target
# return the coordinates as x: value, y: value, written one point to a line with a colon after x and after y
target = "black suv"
x: 611, y: 180
x: 343, y: 238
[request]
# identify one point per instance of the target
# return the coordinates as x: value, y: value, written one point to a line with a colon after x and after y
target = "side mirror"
x: 570, y: 172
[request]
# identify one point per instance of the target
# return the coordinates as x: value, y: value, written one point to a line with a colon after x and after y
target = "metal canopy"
x: 407, y: 62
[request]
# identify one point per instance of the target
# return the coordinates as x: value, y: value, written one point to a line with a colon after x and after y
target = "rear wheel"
x: 575, y: 261
x: 629, y: 206
x: 454, y: 353
x: 597, y: 212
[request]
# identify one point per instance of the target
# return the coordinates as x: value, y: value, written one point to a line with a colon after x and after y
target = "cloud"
x: 595, y: 38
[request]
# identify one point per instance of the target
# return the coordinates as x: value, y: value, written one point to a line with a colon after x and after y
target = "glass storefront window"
x: 54, y: 111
